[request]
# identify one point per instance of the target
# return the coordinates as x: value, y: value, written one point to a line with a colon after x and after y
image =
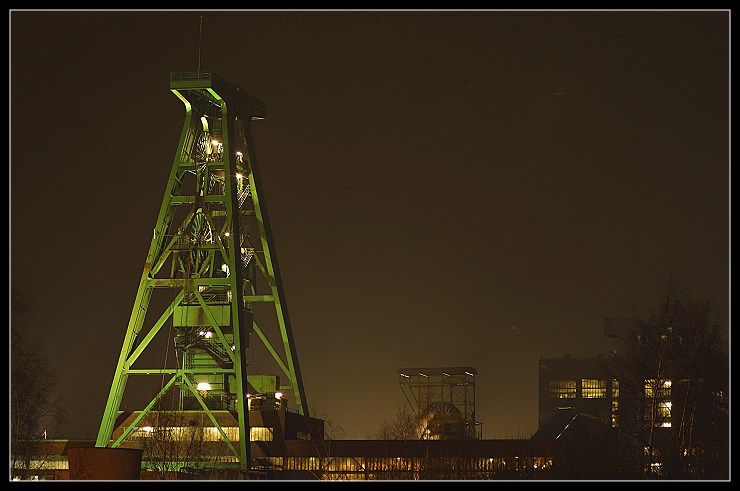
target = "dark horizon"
x: 445, y: 188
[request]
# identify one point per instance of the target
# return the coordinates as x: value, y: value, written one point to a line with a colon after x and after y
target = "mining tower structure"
x: 210, y: 282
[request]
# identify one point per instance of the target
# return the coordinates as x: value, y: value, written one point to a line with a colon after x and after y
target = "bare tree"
x: 176, y: 445
x: 404, y: 426
x: 332, y: 431
x: 402, y: 462
x: 674, y: 381
x: 36, y: 412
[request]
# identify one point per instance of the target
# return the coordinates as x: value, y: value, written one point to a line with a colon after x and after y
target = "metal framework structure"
x: 443, y: 401
x: 218, y: 275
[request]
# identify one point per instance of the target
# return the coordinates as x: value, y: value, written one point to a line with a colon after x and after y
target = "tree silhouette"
x: 36, y: 412
x: 176, y: 446
x: 673, y: 369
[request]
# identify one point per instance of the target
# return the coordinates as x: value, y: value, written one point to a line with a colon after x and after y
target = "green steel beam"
x: 154, y: 330
x: 219, y: 242
x: 260, y: 210
x: 271, y: 349
x: 143, y: 296
x: 259, y: 298
x: 238, y: 324
x: 263, y: 269
x: 203, y: 404
x: 191, y: 371
x: 166, y: 252
x: 146, y: 410
x: 185, y: 283
x: 214, y: 324
x: 215, y: 148
x: 189, y: 200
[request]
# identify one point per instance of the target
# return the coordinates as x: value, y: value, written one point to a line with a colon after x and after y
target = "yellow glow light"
x: 204, y: 386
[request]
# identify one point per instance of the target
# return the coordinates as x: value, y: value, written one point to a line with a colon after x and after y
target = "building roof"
x: 438, y: 371
x: 569, y: 423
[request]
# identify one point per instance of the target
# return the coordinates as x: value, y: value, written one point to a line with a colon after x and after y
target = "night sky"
x: 444, y: 188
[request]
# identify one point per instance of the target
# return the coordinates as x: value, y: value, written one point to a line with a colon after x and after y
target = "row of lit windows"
x: 563, y: 389
x: 342, y: 464
x: 657, y: 397
x: 302, y: 464
x: 410, y: 475
x: 593, y: 388
x: 590, y: 389
x: 385, y: 464
x: 49, y: 463
x: 210, y: 434
x: 351, y: 476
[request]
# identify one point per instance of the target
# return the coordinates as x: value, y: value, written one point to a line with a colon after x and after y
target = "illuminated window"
x: 593, y: 389
x: 658, y: 402
x: 663, y: 416
x: 659, y: 388
x: 256, y: 433
x: 563, y: 389
x: 615, y: 413
x: 302, y: 464
x: 260, y: 434
x: 343, y: 464
x: 211, y: 433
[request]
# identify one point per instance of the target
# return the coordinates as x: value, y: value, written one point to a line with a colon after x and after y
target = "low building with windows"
x: 288, y: 446
x: 344, y: 460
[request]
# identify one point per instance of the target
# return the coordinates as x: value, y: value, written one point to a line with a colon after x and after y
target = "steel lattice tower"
x: 443, y: 401
x: 205, y: 254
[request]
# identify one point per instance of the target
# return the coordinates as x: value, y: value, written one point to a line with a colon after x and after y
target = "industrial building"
x: 285, y: 445
x: 642, y: 399
x: 442, y: 400
x: 212, y: 255
x: 320, y: 459
x: 586, y: 384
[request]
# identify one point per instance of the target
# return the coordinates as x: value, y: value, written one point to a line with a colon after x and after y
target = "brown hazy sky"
x: 446, y: 188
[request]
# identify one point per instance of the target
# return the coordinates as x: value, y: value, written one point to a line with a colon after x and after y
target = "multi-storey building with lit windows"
x: 644, y: 395
x: 586, y: 384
